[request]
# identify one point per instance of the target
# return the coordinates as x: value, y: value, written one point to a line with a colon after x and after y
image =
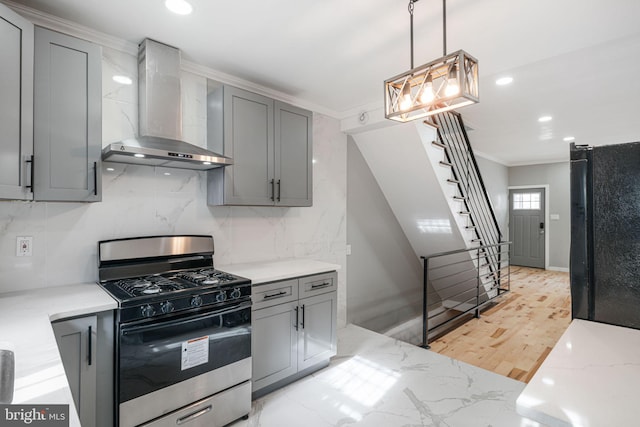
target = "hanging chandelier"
x: 445, y: 84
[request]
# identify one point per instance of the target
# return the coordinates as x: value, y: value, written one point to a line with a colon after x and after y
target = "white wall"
x: 496, y: 181
x: 556, y: 175
x: 384, y: 273
x: 142, y: 200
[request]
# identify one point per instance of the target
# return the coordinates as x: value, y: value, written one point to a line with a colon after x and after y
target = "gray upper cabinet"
x: 270, y: 143
x: 16, y: 105
x: 67, y: 118
x: 293, y: 155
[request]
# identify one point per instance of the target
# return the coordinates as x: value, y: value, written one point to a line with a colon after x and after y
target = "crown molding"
x: 71, y: 28
x: 225, y: 78
x: 68, y: 27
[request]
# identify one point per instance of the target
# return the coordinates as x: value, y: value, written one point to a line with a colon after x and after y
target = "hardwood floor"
x: 513, y: 337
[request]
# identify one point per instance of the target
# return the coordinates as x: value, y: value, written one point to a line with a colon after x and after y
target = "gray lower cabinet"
x: 67, y: 118
x: 270, y: 143
x: 16, y: 105
x: 86, y: 348
x: 293, y: 329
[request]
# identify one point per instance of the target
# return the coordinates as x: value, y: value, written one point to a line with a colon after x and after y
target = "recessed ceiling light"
x: 569, y: 138
x: 110, y: 169
x: 138, y: 155
x: 167, y: 173
x: 545, y: 119
x: 504, y: 81
x: 180, y: 7
x: 123, y: 80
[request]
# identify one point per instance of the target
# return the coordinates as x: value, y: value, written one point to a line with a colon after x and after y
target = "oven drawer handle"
x: 125, y: 330
x: 193, y: 416
x: 276, y: 295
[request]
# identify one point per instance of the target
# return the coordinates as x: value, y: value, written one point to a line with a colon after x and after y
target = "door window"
x: 528, y: 201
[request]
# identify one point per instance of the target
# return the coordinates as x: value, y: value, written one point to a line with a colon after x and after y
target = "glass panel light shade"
x: 441, y: 85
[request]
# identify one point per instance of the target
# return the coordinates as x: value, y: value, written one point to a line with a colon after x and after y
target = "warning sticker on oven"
x: 195, y: 352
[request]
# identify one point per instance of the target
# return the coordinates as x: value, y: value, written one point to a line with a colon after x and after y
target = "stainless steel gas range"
x: 183, y: 332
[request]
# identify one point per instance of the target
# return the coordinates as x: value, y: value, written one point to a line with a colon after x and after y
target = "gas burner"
x: 200, y: 278
x: 151, y: 285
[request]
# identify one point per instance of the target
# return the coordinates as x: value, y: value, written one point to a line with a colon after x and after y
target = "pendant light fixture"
x: 445, y: 84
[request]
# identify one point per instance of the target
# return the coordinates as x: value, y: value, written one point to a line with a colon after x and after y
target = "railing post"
x: 425, y: 314
x: 478, y: 286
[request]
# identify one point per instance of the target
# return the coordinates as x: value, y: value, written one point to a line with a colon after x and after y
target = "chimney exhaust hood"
x: 160, y: 117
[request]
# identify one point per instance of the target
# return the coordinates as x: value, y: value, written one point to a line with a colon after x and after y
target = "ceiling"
x: 575, y: 60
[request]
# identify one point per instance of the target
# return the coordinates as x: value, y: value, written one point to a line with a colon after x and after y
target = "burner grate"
x: 150, y: 285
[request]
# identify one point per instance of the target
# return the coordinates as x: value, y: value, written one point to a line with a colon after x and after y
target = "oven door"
x: 204, y: 353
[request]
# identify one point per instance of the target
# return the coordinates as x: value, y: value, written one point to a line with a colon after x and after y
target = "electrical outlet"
x: 24, y: 246
x: 348, y: 249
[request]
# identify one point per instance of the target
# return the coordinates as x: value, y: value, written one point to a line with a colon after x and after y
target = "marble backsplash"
x: 145, y: 200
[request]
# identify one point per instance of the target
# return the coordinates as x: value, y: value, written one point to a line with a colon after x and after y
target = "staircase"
x: 430, y: 178
x: 471, y: 204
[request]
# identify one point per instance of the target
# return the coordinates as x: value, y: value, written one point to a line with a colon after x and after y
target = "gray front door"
x: 527, y: 227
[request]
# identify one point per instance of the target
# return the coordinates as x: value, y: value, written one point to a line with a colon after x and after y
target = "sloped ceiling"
x: 575, y: 60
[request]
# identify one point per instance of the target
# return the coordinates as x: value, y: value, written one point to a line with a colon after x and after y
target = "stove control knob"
x: 147, y: 310
x: 196, y: 301
x: 167, y: 307
x: 221, y: 297
x: 235, y: 294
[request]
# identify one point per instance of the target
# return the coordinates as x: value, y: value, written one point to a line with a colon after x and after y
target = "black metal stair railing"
x: 468, y: 286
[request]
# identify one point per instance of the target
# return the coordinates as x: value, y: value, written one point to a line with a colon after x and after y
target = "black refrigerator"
x: 605, y: 233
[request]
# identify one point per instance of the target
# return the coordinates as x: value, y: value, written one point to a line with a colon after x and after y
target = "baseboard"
x: 562, y: 269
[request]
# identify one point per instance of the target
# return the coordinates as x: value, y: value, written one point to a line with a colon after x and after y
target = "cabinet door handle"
x: 302, y: 324
x: 279, y: 190
x: 95, y: 178
x: 89, y: 347
x: 296, y: 324
x: 276, y: 295
x: 31, y: 174
x: 273, y: 190
x: 193, y: 416
x: 321, y: 285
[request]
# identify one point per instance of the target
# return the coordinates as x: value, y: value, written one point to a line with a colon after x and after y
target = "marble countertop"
x: 376, y: 381
x: 590, y: 379
x: 25, y: 323
x: 271, y: 271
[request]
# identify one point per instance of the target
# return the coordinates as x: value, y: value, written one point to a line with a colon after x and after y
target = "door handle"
x: 89, y: 349
x: 279, y: 190
x: 95, y: 178
x: 31, y: 174
x: 273, y: 190
x: 296, y: 324
x: 302, y: 324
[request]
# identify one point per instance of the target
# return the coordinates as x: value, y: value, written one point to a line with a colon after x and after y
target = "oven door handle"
x: 131, y: 328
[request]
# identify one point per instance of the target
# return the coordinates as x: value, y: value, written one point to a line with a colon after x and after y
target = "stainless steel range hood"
x: 160, y: 117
